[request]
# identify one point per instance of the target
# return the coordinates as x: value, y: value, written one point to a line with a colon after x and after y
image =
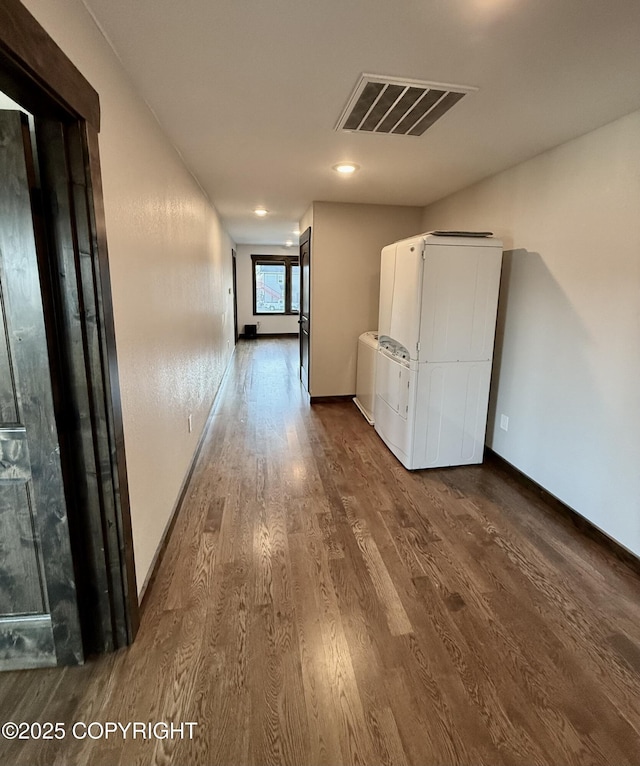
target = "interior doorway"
x: 39, y: 620
x: 68, y: 457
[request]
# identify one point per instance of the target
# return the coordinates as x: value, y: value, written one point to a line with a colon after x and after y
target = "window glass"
x: 276, y: 284
x: 270, y: 288
x: 295, y: 288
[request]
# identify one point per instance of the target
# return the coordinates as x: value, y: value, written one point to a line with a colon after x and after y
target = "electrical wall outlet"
x: 504, y: 422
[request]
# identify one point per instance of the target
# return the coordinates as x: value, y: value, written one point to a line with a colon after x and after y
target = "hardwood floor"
x: 319, y: 604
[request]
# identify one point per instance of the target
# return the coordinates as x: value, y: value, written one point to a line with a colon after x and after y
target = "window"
x: 276, y: 284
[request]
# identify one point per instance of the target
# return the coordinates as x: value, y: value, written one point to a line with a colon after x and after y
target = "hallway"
x: 318, y: 604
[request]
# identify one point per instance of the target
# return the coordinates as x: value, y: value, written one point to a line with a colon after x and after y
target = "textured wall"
x: 567, y: 363
x: 170, y: 265
x: 345, y: 284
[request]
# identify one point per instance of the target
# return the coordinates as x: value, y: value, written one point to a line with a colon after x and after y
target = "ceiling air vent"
x: 403, y: 107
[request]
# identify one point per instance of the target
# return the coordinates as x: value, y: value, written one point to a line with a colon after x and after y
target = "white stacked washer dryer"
x: 438, y: 306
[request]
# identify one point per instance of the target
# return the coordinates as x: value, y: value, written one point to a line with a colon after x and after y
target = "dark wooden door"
x: 39, y: 623
x: 234, y: 272
x: 305, y: 305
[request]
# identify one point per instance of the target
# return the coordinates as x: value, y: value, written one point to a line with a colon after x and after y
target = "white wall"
x: 345, y: 284
x: 170, y: 263
x: 7, y: 103
x: 568, y: 367
x: 267, y: 324
x: 307, y: 220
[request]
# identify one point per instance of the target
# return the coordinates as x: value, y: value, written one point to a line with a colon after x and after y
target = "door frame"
x: 36, y: 73
x: 234, y: 276
x: 305, y: 239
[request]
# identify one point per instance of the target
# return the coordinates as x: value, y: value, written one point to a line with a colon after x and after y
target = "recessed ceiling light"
x: 346, y: 168
x: 260, y: 211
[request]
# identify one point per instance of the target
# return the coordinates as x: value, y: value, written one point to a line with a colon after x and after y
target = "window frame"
x: 288, y: 261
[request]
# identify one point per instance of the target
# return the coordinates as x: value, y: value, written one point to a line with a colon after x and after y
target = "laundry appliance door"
x: 394, y: 405
x: 407, y: 295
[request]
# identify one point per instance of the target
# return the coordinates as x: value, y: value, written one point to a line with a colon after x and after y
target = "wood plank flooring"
x: 320, y: 605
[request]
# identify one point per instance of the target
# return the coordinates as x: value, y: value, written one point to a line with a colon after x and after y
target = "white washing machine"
x: 366, y: 374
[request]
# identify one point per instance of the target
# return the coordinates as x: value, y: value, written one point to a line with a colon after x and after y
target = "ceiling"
x: 250, y: 91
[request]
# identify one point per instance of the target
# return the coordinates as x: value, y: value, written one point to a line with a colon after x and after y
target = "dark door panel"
x: 305, y: 305
x: 39, y: 622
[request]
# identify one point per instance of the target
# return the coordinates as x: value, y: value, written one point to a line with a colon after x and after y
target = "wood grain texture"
x: 129, y: 617
x: 80, y: 426
x: 317, y: 604
x: 96, y: 489
x: 29, y: 47
x: 36, y: 566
